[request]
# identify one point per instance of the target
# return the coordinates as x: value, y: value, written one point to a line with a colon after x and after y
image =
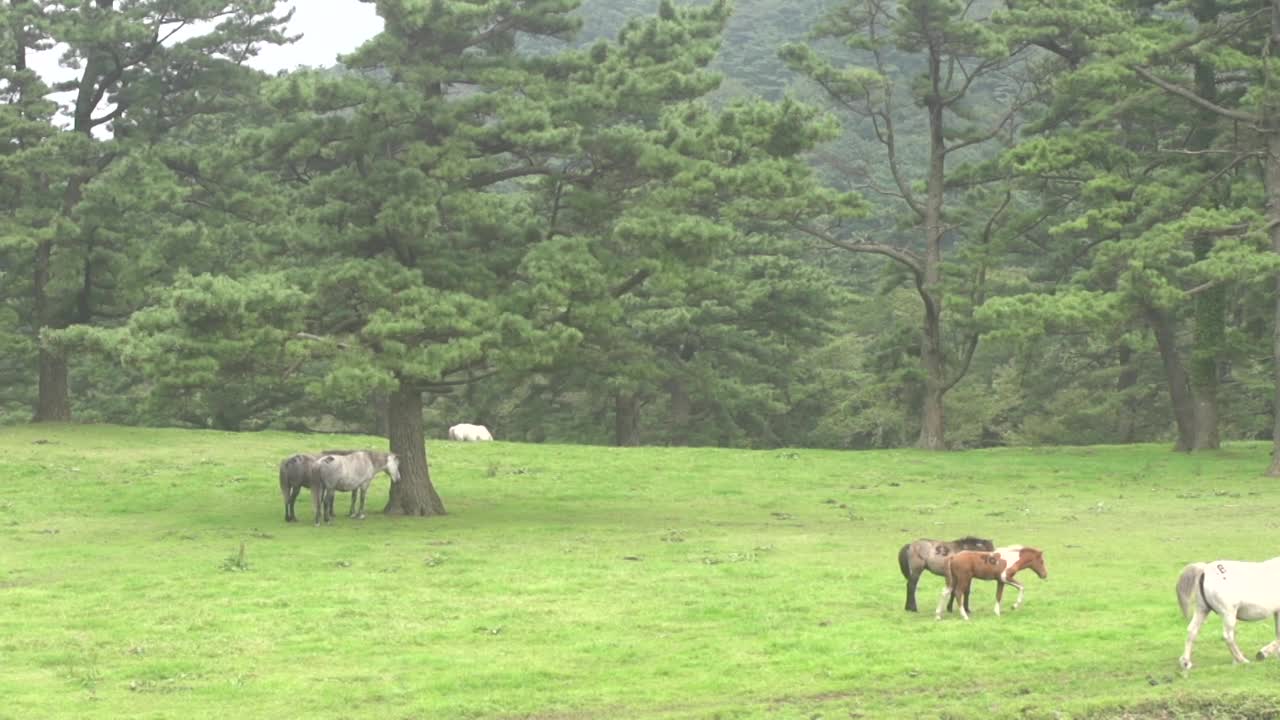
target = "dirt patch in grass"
x: 1225, y: 708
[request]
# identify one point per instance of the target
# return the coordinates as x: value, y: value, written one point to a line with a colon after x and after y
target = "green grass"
x: 570, y: 583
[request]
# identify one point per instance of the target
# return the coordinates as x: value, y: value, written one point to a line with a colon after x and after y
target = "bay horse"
x: 349, y: 472
x: 1236, y: 590
x: 925, y: 554
x: 1018, y: 557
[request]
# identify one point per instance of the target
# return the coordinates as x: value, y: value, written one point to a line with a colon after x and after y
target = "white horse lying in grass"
x: 469, y: 433
x: 1235, y: 590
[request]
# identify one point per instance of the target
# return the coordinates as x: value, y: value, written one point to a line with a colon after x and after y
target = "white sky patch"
x: 329, y: 28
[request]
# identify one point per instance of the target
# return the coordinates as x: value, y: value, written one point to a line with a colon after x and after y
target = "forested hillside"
x: 836, y: 224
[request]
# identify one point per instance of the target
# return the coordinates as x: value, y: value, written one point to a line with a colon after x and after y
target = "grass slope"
x: 587, y: 582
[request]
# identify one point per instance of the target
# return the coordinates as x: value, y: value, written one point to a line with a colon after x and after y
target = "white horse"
x: 350, y: 472
x: 1236, y: 590
x: 470, y: 433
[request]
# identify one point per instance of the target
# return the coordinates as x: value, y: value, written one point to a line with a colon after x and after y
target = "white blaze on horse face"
x: 393, y: 467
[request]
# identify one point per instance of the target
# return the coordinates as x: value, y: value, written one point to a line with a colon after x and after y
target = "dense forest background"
x: 816, y: 223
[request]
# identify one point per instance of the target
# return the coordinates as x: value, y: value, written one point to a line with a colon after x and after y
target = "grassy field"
x: 570, y: 583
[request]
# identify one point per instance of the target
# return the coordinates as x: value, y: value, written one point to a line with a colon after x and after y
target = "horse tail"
x: 1190, y: 582
x: 904, y: 561
x: 284, y: 478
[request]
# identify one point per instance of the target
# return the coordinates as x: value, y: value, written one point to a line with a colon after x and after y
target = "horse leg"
x: 1000, y: 593
x: 962, y: 591
x: 1229, y: 634
x: 364, y: 491
x: 291, y: 514
x: 1270, y: 648
x: 942, y: 601
x: 317, y: 502
x: 912, y: 582
x: 1193, y: 630
x: 354, y: 494
x: 329, y: 495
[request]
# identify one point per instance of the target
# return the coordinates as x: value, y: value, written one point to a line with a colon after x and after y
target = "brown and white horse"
x: 1016, y: 558
x: 964, y: 567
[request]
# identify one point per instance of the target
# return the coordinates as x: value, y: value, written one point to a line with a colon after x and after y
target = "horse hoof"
x: 1184, y: 663
x: 1261, y: 655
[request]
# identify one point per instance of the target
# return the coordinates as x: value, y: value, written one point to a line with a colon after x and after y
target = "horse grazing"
x: 960, y: 571
x: 350, y: 472
x: 1016, y: 558
x: 1236, y: 590
x: 470, y: 433
x: 924, y: 554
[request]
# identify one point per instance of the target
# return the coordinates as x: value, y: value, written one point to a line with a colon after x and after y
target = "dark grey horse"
x: 925, y: 554
x: 296, y: 472
x: 349, y: 472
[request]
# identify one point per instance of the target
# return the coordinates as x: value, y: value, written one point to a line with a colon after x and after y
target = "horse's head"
x: 393, y: 467
x: 1037, y: 563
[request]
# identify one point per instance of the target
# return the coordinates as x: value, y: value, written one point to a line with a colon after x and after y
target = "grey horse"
x: 349, y: 472
x: 302, y: 471
x: 925, y: 554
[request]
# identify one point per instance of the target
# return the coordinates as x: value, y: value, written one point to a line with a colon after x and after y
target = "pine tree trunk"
x: 626, y: 419
x: 1271, y: 116
x: 1175, y: 378
x: 1124, y: 383
x: 414, y: 494
x: 1210, y: 339
x: 932, y: 418
x: 1210, y: 305
x: 1273, y: 222
x: 54, y: 401
x: 679, y: 412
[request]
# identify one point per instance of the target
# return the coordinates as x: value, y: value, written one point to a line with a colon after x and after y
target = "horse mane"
x: 969, y: 541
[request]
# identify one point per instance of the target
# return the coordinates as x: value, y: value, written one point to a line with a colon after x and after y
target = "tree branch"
x: 1195, y: 99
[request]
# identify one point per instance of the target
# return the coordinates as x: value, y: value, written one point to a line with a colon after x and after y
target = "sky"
x: 328, y: 27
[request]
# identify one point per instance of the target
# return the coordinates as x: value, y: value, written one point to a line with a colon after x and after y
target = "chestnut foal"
x: 963, y: 567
